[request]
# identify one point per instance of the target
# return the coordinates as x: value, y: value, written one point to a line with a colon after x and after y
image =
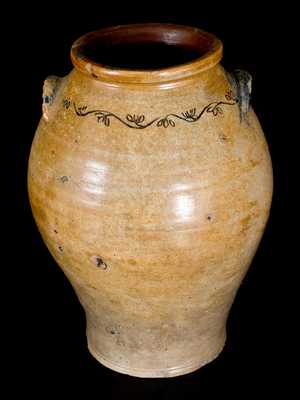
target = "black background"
x: 50, y: 344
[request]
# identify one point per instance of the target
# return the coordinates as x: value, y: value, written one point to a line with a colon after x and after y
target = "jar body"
x: 153, y: 214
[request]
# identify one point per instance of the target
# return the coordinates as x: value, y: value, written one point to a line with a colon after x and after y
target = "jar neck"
x: 129, y: 54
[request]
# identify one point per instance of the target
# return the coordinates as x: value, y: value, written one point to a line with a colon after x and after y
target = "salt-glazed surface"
x: 151, y: 189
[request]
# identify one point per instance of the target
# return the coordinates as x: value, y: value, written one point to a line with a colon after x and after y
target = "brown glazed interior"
x: 145, y: 53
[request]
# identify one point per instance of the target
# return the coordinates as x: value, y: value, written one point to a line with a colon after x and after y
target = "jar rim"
x: 210, y: 50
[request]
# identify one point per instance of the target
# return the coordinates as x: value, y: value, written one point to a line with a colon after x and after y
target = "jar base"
x: 157, y: 373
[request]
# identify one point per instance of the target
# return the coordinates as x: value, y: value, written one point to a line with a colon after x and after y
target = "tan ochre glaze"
x: 155, y: 226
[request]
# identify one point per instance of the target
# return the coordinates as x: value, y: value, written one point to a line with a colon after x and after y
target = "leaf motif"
x: 228, y: 95
x: 171, y: 122
x: 130, y: 118
x: 66, y: 103
x: 216, y: 110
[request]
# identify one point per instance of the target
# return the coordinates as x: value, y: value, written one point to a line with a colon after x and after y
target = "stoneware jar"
x: 150, y: 181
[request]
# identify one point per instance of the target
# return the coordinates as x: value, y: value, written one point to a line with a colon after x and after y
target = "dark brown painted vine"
x: 136, y: 121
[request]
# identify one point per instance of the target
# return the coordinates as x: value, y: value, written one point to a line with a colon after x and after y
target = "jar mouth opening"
x: 145, y: 53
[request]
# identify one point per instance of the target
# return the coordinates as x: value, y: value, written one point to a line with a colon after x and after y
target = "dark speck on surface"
x: 113, y: 330
x: 60, y: 248
x: 99, y: 262
x: 64, y: 179
x: 55, y: 231
x: 223, y: 137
